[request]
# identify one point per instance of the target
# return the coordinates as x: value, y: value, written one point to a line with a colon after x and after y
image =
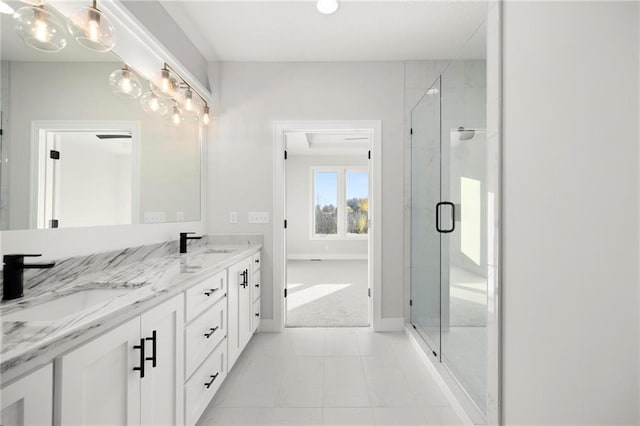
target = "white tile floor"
x: 329, y: 376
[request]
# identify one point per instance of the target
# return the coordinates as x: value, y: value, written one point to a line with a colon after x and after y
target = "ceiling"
x: 359, y: 31
x: 342, y: 143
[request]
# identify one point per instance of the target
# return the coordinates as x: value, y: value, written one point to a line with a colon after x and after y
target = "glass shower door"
x: 464, y: 273
x: 425, y: 240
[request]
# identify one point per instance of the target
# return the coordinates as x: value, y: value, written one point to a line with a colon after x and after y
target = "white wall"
x: 253, y: 95
x: 570, y: 243
x: 300, y: 206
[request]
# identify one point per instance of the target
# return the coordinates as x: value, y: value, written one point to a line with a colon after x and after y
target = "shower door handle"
x: 453, y: 217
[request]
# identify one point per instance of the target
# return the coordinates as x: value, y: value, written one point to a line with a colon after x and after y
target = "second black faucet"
x: 183, y: 240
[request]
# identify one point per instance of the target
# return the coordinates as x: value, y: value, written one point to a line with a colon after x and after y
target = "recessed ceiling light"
x: 327, y: 7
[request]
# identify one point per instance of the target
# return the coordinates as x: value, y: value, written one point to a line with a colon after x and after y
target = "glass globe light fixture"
x: 92, y: 29
x: 175, y: 116
x: 191, y: 102
x: 125, y: 83
x: 153, y: 104
x: 205, y: 115
x: 40, y: 29
x: 166, y: 84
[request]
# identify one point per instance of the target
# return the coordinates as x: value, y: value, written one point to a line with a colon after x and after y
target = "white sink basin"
x: 64, y: 306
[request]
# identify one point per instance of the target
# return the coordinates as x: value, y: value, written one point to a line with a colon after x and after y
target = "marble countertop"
x: 147, y: 281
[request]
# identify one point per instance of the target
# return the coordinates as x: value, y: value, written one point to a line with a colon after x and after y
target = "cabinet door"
x: 29, y: 401
x: 162, y: 327
x: 97, y: 383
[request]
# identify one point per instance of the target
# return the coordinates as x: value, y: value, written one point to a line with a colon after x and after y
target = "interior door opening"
x: 327, y: 210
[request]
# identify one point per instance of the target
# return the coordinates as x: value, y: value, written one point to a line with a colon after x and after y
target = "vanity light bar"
x: 205, y: 110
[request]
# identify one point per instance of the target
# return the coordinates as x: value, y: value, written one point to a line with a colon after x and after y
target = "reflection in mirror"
x: 76, y: 151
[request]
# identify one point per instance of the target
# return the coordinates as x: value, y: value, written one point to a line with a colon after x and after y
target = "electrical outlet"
x: 233, y: 217
x: 258, y: 217
x: 155, y: 217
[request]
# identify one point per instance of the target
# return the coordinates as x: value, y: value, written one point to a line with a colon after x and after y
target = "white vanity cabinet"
x: 240, y: 309
x: 130, y: 375
x: 256, y: 286
x: 29, y: 400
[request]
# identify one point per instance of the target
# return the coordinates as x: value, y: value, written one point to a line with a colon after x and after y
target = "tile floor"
x: 329, y: 376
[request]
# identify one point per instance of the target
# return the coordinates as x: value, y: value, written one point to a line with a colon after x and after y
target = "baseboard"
x: 390, y: 324
x: 327, y: 256
x: 269, y: 326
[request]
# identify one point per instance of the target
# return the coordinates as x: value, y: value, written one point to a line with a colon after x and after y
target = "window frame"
x: 341, y: 172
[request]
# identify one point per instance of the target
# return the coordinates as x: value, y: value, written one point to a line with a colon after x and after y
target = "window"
x: 340, y: 203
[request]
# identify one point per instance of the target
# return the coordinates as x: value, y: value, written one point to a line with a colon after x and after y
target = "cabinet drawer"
x: 256, y: 261
x: 255, y: 316
x: 203, y: 334
x: 205, y: 382
x: 256, y: 285
x: 205, y: 294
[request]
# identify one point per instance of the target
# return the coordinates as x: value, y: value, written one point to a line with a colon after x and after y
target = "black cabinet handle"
x: 257, y: 285
x: 210, y: 382
x: 245, y: 278
x: 141, y: 368
x: 257, y: 260
x: 210, y: 333
x: 453, y: 217
x: 154, y: 346
x: 258, y: 314
x: 211, y: 291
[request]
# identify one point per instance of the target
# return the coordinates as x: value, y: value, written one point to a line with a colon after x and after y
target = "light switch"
x: 233, y: 217
x: 258, y: 217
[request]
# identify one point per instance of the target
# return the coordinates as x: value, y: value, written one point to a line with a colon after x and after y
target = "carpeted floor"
x: 327, y: 293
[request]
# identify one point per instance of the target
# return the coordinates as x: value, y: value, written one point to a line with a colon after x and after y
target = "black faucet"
x: 13, y: 271
x: 183, y: 240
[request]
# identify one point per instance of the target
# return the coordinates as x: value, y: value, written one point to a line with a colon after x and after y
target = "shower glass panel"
x: 464, y: 266
x: 425, y: 240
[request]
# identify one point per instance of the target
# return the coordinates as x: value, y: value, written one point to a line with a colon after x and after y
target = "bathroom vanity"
x: 147, y: 340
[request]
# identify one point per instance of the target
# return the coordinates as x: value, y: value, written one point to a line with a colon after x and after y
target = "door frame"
x: 280, y: 128
x: 40, y: 131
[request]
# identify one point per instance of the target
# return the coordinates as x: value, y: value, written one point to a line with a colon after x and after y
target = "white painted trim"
x: 375, y: 211
x: 39, y: 131
x: 326, y: 256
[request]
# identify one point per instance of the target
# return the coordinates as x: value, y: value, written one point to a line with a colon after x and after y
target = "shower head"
x: 465, y: 135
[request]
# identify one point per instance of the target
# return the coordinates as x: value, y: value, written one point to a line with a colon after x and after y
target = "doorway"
x: 327, y: 210
x: 84, y: 174
x: 327, y: 184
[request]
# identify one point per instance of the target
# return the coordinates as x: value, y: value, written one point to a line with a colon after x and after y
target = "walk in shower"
x: 449, y: 223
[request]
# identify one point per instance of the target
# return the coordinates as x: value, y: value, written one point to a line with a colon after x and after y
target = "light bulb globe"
x: 125, y: 83
x: 92, y: 29
x: 40, y: 29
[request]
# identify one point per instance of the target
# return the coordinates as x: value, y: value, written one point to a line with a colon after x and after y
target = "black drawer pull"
x: 211, y: 291
x: 257, y: 285
x: 210, y: 333
x: 257, y: 260
x: 213, y: 379
x: 142, y: 359
x: 258, y: 314
x: 152, y: 358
